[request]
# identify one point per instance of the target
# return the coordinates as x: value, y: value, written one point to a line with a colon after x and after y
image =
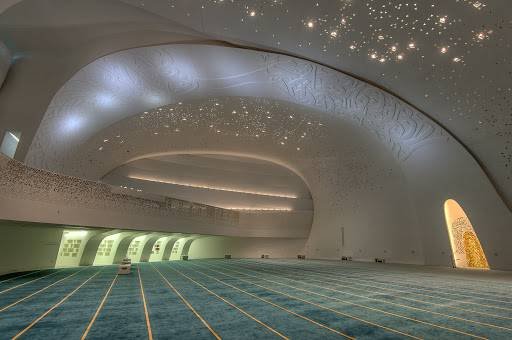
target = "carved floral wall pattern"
x: 474, y: 253
x: 466, y: 248
x: 128, y: 83
x: 396, y: 124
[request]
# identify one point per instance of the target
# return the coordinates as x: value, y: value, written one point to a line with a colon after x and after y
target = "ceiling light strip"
x: 256, y: 209
x: 197, y: 186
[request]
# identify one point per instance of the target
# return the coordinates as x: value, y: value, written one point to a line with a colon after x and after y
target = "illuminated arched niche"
x: 466, y: 248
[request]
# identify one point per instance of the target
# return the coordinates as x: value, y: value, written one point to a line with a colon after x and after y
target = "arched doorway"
x: 466, y: 248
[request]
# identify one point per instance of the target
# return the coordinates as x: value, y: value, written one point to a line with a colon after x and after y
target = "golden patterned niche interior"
x: 466, y: 248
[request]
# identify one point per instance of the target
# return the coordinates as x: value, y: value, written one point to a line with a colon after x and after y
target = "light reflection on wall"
x: 203, y: 186
x: 71, y: 124
x: 105, y: 100
x: 155, y: 99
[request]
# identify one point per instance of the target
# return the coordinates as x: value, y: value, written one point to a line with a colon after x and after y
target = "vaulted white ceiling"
x: 384, y: 109
x: 133, y: 82
x: 450, y: 59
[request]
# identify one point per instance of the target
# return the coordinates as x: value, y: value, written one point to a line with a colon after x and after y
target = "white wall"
x: 5, y: 60
x: 157, y: 252
x: 178, y: 248
x: 72, y: 246
x: 106, y: 258
x: 440, y: 172
x: 245, y: 247
x: 166, y: 246
x: 26, y: 246
x: 136, y: 247
x: 38, y: 195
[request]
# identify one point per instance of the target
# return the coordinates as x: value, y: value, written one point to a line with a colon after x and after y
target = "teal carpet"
x: 248, y: 299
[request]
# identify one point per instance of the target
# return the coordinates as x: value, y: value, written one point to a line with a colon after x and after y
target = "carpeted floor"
x: 246, y: 299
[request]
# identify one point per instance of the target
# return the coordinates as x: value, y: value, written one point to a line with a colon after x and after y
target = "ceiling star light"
x: 478, y: 5
x: 201, y: 186
x: 385, y: 22
x: 483, y: 35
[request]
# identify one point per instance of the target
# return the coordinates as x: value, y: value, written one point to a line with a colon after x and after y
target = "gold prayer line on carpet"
x: 389, y: 272
x: 393, y: 303
x: 320, y: 306
x: 426, y: 289
x: 22, y: 284
x: 53, y: 307
x: 232, y: 305
x: 95, y: 316
x: 148, y: 323
x: 188, y: 305
x: 424, y: 277
x: 39, y: 291
x: 336, y: 279
x: 19, y: 276
x: 386, y: 276
x: 363, y: 306
x: 278, y: 306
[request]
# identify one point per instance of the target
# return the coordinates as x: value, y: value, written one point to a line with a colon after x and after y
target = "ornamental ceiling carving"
x: 132, y: 82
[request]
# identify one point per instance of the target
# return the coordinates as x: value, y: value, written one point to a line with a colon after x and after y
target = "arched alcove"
x: 148, y: 248
x: 168, y: 248
x: 466, y: 248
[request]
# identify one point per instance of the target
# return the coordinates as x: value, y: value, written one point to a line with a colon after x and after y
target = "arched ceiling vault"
x: 448, y: 58
x: 134, y: 81
x: 336, y: 159
x: 224, y: 181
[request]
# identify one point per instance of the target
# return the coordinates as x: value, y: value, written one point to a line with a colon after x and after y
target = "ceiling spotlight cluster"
x: 392, y: 29
x: 245, y: 119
